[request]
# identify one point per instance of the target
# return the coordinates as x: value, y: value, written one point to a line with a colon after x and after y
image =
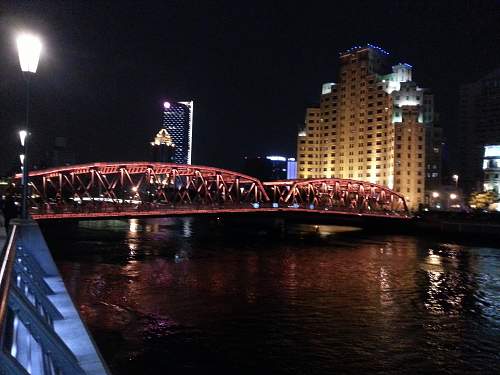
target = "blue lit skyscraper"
x: 178, y: 121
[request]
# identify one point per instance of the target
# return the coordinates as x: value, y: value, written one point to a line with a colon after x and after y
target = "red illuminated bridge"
x: 133, y: 189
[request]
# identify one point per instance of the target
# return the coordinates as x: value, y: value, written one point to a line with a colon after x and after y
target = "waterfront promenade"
x: 55, y: 339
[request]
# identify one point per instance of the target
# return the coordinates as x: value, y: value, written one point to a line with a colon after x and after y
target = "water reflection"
x: 308, y: 299
x: 133, y: 225
x: 450, y: 280
x: 186, y: 226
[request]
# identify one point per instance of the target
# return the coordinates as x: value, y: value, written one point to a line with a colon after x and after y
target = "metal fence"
x: 41, y: 330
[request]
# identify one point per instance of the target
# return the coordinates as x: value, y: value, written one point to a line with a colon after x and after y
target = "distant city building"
x: 270, y: 168
x: 291, y: 169
x: 491, y: 168
x: 479, y: 125
x: 178, y: 121
x: 162, y: 147
x: 60, y: 154
x: 374, y: 125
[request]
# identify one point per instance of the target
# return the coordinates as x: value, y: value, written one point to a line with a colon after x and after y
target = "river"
x: 196, y: 296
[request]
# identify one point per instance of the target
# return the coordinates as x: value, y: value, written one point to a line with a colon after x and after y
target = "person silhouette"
x: 9, y: 210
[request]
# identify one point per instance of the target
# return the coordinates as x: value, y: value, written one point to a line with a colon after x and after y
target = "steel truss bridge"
x: 133, y: 189
x: 40, y: 329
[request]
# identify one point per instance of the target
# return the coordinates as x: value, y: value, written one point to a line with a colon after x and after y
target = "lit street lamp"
x: 451, y: 201
x: 433, y: 201
x: 455, y: 178
x: 29, y: 47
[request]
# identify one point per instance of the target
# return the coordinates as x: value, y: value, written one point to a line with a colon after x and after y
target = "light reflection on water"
x: 199, y: 296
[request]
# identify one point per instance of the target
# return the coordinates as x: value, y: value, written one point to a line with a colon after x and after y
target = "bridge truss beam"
x: 138, y: 185
x: 113, y: 189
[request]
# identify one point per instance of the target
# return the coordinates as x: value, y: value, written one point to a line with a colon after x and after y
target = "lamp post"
x: 455, y: 178
x: 29, y: 47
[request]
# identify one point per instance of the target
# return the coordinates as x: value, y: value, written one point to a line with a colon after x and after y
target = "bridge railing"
x: 40, y: 330
x: 110, y: 208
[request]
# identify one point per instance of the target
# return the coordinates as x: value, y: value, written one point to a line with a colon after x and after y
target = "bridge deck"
x: 214, y: 211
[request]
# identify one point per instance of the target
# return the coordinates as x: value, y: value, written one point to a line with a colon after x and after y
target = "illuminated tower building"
x: 178, y: 121
x: 491, y: 168
x: 163, y: 150
x: 370, y: 126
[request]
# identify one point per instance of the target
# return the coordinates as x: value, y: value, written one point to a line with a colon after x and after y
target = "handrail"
x: 7, y: 257
x: 37, y: 332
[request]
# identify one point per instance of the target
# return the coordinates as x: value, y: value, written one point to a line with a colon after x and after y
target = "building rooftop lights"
x: 378, y: 48
x: 276, y: 158
x: 368, y: 45
x: 492, y: 151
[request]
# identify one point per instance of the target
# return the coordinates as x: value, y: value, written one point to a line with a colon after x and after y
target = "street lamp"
x: 435, y: 196
x: 29, y: 47
x: 22, y: 136
x: 455, y: 178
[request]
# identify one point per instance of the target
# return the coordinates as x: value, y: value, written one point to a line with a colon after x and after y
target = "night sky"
x: 251, y: 68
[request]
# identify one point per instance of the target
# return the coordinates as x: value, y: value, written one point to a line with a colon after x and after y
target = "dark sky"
x: 251, y: 68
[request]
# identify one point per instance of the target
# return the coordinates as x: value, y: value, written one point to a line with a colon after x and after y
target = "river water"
x: 195, y: 296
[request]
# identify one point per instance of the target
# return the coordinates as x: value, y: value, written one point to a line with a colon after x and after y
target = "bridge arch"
x: 141, y: 185
x: 336, y: 194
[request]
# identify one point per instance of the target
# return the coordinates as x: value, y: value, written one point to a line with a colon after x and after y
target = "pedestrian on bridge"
x: 9, y: 210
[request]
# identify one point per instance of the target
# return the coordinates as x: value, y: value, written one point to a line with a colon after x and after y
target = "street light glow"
x: 435, y: 194
x: 22, y: 136
x: 29, y: 47
x: 455, y: 177
x: 453, y: 196
x: 21, y: 157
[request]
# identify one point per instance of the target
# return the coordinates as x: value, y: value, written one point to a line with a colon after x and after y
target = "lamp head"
x: 29, y: 47
x: 22, y: 136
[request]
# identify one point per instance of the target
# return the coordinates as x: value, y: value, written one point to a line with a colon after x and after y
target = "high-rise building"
x: 291, y: 169
x: 162, y: 147
x: 478, y: 126
x: 491, y: 168
x: 178, y: 121
x: 371, y: 125
x: 270, y: 168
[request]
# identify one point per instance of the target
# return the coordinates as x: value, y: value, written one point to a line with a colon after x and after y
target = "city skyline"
x: 96, y: 98
x: 332, y: 206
